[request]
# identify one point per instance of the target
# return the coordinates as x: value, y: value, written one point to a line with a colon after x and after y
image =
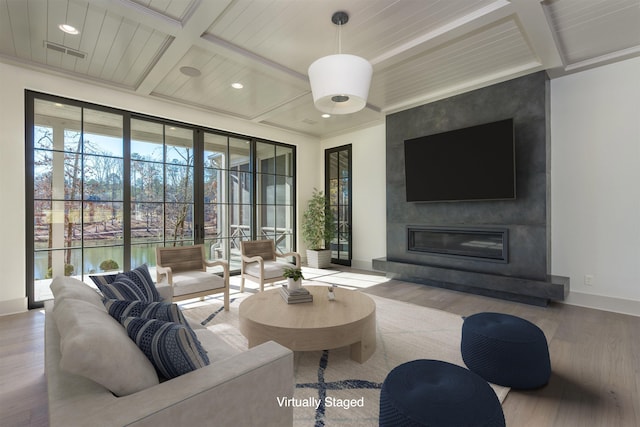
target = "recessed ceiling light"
x: 326, y: 116
x: 69, y: 29
x: 237, y: 85
x: 190, y: 71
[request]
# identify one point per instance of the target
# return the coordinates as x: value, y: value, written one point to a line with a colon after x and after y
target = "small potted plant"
x: 294, y: 277
x: 318, y: 230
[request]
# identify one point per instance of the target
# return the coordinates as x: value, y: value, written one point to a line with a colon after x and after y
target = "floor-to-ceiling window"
x: 274, y: 183
x: 338, y: 191
x: 106, y: 186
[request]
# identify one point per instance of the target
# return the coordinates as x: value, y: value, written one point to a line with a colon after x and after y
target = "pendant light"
x: 340, y: 83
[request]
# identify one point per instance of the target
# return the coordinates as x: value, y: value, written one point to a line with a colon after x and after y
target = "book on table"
x: 296, y: 295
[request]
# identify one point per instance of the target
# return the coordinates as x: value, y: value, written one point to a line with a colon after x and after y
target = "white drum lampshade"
x: 340, y: 83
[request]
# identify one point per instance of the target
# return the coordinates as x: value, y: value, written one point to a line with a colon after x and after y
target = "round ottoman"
x: 437, y: 394
x: 506, y: 350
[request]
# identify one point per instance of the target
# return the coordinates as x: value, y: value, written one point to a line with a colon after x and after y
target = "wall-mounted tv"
x: 474, y: 163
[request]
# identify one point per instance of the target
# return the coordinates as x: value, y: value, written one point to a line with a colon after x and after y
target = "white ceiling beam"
x: 144, y: 16
x: 609, y: 58
x: 199, y: 21
x: 217, y: 45
x: 466, y: 24
x: 538, y: 32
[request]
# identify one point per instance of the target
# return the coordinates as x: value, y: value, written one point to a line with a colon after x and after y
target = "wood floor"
x: 595, y: 358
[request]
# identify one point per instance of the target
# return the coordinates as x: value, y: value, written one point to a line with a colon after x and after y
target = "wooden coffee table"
x: 349, y: 320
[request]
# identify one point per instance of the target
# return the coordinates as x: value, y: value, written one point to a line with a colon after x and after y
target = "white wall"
x: 369, y: 191
x: 13, y: 82
x: 595, y: 184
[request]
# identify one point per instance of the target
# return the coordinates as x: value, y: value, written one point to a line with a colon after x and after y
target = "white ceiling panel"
x: 264, y: 88
x: 592, y: 28
x: 480, y: 57
x: 302, y: 116
x: 175, y: 9
x: 421, y: 50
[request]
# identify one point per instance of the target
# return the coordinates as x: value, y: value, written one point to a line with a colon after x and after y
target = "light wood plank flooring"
x: 595, y: 357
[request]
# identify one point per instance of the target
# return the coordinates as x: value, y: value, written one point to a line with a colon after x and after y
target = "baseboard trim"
x: 13, y: 306
x: 361, y: 265
x: 600, y: 302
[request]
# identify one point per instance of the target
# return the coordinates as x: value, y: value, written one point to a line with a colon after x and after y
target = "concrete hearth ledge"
x: 528, y: 291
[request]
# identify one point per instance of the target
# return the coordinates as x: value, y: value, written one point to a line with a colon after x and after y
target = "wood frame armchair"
x: 259, y: 262
x: 184, y: 268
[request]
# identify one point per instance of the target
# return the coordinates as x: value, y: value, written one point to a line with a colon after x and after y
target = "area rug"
x: 332, y: 389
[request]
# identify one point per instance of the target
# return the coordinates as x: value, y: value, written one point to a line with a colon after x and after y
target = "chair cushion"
x: 190, y: 282
x: 171, y: 347
x: 139, y: 276
x: 95, y: 346
x: 68, y: 287
x: 272, y: 269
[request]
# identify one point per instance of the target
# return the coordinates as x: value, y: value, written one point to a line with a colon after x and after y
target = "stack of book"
x: 295, y: 296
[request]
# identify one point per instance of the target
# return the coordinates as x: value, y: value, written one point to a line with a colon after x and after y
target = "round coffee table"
x: 349, y: 320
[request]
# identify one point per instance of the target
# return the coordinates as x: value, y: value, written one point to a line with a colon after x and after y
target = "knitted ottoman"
x: 506, y: 350
x: 437, y: 394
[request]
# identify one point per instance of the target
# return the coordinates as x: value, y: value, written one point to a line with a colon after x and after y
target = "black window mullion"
x: 253, y: 167
x: 198, y: 186
x: 126, y: 191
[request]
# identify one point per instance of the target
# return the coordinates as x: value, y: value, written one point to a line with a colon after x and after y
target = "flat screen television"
x: 474, y: 163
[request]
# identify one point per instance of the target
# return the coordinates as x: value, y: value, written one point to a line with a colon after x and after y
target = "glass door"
x: 106, y: 187
x: 77, y: 188
x: 338, y: 190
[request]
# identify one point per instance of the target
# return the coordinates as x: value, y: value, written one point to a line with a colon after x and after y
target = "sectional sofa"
x: 95, y: 376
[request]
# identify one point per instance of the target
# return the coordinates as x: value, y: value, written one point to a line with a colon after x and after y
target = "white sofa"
x: 238, y: 388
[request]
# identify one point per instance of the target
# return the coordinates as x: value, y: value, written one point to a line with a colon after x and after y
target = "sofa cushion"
x: 168, y: 312
x: 216, y: 345
x: 68, y: 287
x: 139, y: 276
x: 96, y: 346
x: 171, y: 347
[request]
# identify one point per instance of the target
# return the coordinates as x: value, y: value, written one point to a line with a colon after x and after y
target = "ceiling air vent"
x: 63, y: 49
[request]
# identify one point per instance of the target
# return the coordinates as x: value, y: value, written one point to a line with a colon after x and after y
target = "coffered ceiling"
x: 421, y: 50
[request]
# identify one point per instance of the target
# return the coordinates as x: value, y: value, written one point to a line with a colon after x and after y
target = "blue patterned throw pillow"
x: 139, y: 276
x: 168, y: 312
x: 123, y: 289
x: 171, y: 347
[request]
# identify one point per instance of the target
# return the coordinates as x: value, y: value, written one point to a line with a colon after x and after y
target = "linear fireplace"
x: 480, y: 244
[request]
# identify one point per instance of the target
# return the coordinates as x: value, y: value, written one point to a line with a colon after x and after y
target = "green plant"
x: 68, y: 271
x: 109, y: 264
x: 317, y: 222
x: 293, y: 273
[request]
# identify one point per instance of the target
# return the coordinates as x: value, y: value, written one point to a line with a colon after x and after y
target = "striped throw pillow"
x: 170, y: 346
x: 169, y: 312
x: 139, y: 276
x: 123, y: 289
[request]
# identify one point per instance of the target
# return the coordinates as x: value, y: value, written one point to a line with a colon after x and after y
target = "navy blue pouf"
x: 506, y: 350
x: 437, y: 394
